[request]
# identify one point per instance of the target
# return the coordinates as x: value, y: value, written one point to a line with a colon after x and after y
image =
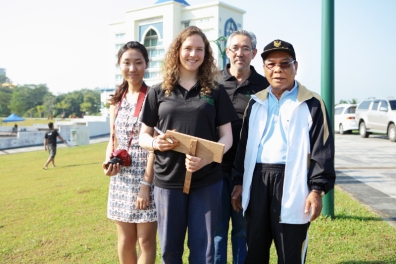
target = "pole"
x: 327, y: 88
x: 220, y: 42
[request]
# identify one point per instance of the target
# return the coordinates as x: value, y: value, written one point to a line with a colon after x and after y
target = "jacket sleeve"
x: 321, y: 174
x: 238, y: 168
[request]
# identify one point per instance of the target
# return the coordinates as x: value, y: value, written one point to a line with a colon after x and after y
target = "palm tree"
x: 342, y: 102
x: 40, y: 109
x: 31, y: 111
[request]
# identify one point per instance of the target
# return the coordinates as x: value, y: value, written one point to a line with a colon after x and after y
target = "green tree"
x: 106, y: 105
x: 40, y: 109
x: 91, y: 102
x: 353, y: 101
x: 4, y: 79
x: 19, y: 102
x: 342, y: 102
x: 49, y: 102
x: 36, y: 94
x: 86, y: 107
x: 74, y: 99
x: 30, y: 112
x: 64, y: 106
x: 5, y: 98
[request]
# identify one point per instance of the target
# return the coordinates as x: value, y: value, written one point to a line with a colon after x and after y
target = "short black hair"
x: 50, y: 125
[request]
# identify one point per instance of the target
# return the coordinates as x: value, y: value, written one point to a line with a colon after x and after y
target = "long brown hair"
x: 123, y: 87
x: 208, y: 73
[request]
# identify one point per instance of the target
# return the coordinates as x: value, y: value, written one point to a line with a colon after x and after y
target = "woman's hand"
x: 161, y: 142
x: 194, y: 163
x: 112, y: 170
x: 143, y: 198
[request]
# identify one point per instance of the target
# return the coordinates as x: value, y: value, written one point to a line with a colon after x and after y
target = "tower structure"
x: 157, y: 25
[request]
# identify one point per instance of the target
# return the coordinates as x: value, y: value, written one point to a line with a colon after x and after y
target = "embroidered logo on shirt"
x: 208, y: 100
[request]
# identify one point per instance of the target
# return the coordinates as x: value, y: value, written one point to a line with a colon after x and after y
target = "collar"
x: 303, y: 95
x: 286, y: 93
x: 254, y: 77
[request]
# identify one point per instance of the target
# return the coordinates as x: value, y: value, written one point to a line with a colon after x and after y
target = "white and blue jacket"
x: 310, y: 151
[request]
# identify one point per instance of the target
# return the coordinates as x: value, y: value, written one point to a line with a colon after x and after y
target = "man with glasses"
x: 284, y: 162
x: 240, y: 81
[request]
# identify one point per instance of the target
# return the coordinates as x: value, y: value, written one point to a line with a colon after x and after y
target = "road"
x: 366, y: 169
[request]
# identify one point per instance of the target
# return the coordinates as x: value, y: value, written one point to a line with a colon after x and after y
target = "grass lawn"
x: 59, y: 216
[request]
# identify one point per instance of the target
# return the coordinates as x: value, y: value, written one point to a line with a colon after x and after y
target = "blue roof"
x: 13, y: 118
x: 179, y: 1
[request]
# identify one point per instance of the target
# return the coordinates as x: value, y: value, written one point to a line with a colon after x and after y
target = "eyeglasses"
x: 283, y: 65
x: 244, y: 50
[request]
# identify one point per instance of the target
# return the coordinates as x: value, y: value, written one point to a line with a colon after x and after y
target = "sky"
x: 64, y: 44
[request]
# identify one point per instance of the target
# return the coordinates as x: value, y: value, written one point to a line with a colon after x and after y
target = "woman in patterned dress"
x: 130, y: 203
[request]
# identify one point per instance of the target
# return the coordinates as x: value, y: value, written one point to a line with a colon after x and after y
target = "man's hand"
x: 236, y: 198
x: 313, y: 203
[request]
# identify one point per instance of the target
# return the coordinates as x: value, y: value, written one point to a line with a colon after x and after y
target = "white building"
x: 157, y: 25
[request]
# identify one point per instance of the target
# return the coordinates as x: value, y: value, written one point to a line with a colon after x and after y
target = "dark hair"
x: 51, y: 125
x: 116, y: 97
x: 208, y: 73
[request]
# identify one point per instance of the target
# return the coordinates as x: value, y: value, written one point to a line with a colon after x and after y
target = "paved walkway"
x: 59, y: 145
x: 365, y: 167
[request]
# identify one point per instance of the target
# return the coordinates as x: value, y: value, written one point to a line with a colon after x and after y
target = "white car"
x: 377, y: 116
x: 344, y: 118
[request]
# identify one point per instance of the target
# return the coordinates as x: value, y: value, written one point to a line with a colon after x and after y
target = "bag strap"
x: 142, y: 94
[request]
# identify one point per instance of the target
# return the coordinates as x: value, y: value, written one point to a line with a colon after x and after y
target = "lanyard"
x: 142, y: 94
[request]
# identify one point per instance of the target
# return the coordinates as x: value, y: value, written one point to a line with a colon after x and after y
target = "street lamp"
x: 221, y: 44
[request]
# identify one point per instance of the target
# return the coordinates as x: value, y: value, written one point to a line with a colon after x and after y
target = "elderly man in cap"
x: 284, y: 162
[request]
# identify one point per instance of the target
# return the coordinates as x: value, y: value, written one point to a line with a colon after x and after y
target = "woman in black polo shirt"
x: 191, y: 102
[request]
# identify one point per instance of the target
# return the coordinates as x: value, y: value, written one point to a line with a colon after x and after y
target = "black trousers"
x: 263, y: 216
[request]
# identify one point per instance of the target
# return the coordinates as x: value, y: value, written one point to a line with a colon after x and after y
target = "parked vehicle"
x: 378, y: 116
x: 344, y: 118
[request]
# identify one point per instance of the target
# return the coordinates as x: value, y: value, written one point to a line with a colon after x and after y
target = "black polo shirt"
x: 240, y: 96
x: 191, y: 113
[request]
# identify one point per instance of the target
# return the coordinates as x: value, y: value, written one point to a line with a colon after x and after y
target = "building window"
x: 151, y: 75
x: 118, y: 46
x: 155, y: 53
x: 151, y: 39
x: 118, y: 77
x: 154, y: 64
x: 120, y: 35
x: 204, y: 20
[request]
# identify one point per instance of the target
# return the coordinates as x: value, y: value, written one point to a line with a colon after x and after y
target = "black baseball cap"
x: 278, y: 45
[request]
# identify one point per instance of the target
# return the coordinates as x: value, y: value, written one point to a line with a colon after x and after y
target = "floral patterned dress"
x: 125, y: 186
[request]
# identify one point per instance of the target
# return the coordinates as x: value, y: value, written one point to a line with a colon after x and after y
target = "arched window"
x: 151, y: 39
x: 156, y: 54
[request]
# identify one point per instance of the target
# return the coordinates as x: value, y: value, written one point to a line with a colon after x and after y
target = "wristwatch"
x: 321, y: 193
